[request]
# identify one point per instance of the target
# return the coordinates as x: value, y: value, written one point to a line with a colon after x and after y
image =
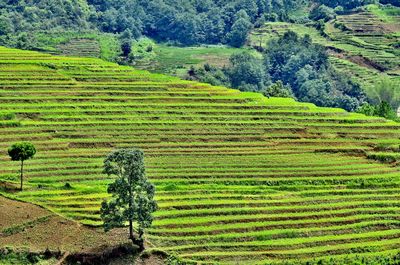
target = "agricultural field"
x: 362, y: 44
x: 240, y: 179
x: 80, y: 44
x: 161, y: 58
x: 177, y: 61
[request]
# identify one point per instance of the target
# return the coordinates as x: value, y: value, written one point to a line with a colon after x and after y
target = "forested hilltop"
x: 185, y: 22
x: 327, y: 62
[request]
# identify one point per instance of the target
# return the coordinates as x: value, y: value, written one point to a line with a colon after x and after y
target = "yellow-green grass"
x: 239, y: 177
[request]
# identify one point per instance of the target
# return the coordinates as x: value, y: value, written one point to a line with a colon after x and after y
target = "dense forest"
x: 182, y: 22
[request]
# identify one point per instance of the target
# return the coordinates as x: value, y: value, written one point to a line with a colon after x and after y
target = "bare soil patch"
x: 16, y: 213
x: 53, y: 233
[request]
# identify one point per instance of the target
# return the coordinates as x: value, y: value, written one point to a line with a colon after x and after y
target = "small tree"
x: 279, y: 90
x: 21, y: 152
x: 132, y: 194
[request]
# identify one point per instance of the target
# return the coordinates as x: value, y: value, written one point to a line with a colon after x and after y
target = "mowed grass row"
x: 236, y: 174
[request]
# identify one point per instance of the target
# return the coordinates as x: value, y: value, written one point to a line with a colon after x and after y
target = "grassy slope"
x: 178, y: 60
x: 364, y: 50
x: 240, y: 178
x: 83, y: 44
x: 361, y: 50
x: 163, y: 58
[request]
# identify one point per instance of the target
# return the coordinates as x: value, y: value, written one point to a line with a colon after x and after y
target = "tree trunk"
x: 140, y: 243
x: 131, y: 230
x: 140, y: 240
x: 22, y: 174
x: 136, y: 241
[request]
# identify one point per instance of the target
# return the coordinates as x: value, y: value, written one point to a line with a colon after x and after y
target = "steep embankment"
x: 240, y: 178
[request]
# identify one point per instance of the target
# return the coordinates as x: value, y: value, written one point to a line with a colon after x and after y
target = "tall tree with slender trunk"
x: 132, y: 199
x: 21, y: 152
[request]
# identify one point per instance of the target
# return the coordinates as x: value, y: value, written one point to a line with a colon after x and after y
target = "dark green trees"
x: 21, y: 152
x: 132, y: 194
x: 240, y: 29
x: 347, y: 4
x: 279, y: 90
x: 247, y: 73
x: 296, y: 66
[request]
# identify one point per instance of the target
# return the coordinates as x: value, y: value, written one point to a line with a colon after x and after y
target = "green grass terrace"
x: 240, y: 178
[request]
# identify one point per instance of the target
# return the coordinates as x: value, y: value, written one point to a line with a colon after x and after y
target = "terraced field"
x: 80, y: 47
x: 362, y: 44
x: 240, y: 179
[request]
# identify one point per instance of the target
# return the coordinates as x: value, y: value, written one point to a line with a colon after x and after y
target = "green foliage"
x: 142, y: 50
x: 279, y: 90
x: 322, y: 12
x: 237, y: 173
x: 21, y: 151
x: 305, y: 67
x: 391, y: 2
x: 393, y: 259
x: 240, y: 29
x: 247, y: 72
x: 383, y: 109
x: 8, y: 256
x: 209, y: 74
x: 19, y: 19
x: 188, y: 23
x: 297, y: 63
x: 385, y: 98
x: 348, y: 4
x: 7, y: 116
x: 132, y: 193
x: 386, y: 90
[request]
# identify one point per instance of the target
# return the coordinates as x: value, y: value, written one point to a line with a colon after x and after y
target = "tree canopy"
x: 21, y: 152
x: 184, y: 22
x: 132, y: 194
x: 292, y: 66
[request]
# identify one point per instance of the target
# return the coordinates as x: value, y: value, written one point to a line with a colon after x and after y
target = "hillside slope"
x: 362, y: 44
x: 240, y: 178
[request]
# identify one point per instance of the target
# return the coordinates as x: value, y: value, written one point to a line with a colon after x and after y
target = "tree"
x: 132, y: 194
x: 322, y: 12
x: 386, y: 90
x: 383, y: 109
x: 126, y: 43
x: 21, y: 152
x: 240, y: 29
x: 279, y: 90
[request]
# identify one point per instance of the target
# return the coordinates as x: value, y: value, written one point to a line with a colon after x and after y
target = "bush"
x: 278, y: 90
x: 383, y: 109
x: 322, y: 12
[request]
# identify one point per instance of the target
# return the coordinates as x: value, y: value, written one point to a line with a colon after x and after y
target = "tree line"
x: 291, y: 66
x: 184, y: 22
